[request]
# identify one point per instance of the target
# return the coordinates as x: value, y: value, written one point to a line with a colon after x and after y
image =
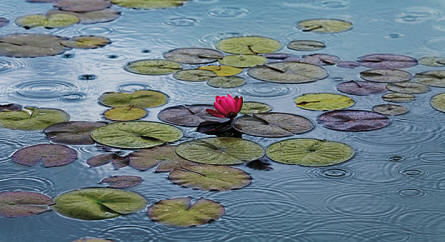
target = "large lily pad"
x: 193, y: 55
x: 250, y: 45
x: 432, y: 61
x: 438, y: 102
x: 73, y: 133
x: 56, y: 20
x: 243, y: 61
x: 86, y: 42
x: 100, y: 16
x: 324, y: 25
x: 152, y: 67
x: 209, y: 177
x: 31, y: 45
x: 272, y: 124
x: 390, y: 109
x: 122, y: 181
x: 220, y: 151
x: 136, y: 134
x: 31, y: 118
x: 181, y: 212
x: 385, y: 75
x: 139, y: 98
x: 82, y: 5
x: 19, y: 204
x: 408, y: 87
x: 361, y: 88
x: 353, y: 120
x: 396, y: 97
x: 98, y: 203
x: 149, y: 4
x: 306, y: 45
x: 226, y: 81
x: 431, y: 78
x: 288, y: 72
x: 188, y: 115
x: 194, y: 75
x: 323, y: 101
x: 387, y: 61
x: 128, y: 113
x: 51, y: 155
x: 164, y: 157
x: 221, y: 70
x: 309, y: 152
x: 255, y: 107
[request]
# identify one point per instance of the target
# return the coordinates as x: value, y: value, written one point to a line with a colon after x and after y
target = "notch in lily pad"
x: 193, y: 55
x: 152, y: 67
x: 249, y: 45
x: 32, y: 118
x: 288, y: 72
x: 55, y: 20
x: 387, y: 61
x: 361, y: 88
x: 323, y: 101
x: 164, y: 157
x: 188, y: 115
x: 20, y: 204
x: 51, y: 155
x: 353, y: 120
x: 73, y: 133
x: 324, y: 25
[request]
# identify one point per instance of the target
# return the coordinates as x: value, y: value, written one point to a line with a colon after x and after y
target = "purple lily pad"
x: 348, y: 64
x: 385, y: 75
x: 188, y: 115
x: 51, y: 155
x: 321, y: 59
x: 74, y: 132
x: 277, y: 56
x: 387, y: 61
x: 103, y: 159
x: 361, y: 88
x: 353, y: 120
x: 122, y: 181
x: 19, y: 204
x: 82, y: 5
x: 3, y: 22
x: 10, y: 107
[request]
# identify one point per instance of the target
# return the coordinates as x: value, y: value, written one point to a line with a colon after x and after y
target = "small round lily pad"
x: 323, y: 101
x: 272, y: 124
x: 396, y: 97
x: 243, y: 61
x: 309, y: 152
x: 136, y: 134
x: 164, y: 157
x: 56, y: 20
x: 385, y: 75
x: 20, y: 204
x: 126, y: 113
x: 438, y: 102
x: 82, y: 5
x: 86, y: 42
x: 193, y: 55
x: 194, y: 75
x: 98, y: 203
x: 73, y: 133
x: 361, y: 88
x: 255, y: 107
x: 226, y: 81
x: 321, y: 59
x: 220, y: 151
x: 306, y: 45
x: 250, y: 45
x: 222, y: 70
x: 390, y: 109
x: 152, y: 67
x: 122, y: 181
x: 51, y: 155
x: 182, y: 212
x: 387, y: 61
x: 324, y: 25
x: 431, y: 78
x: 92, y: 17
x: 408, y: 87
x: 288, y: 72
x: 31, y: 45
x: 432, y: 61
x: 149, y: 4
x: 188, y: 115
x: 139, y: 98
x: 353, y: 120
x: 31, y: 118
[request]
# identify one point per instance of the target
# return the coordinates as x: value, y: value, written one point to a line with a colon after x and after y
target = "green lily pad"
x: 86, y: 42
x: 323, y: 101
x: 181, y: 212
x: 122, y: 181
x: 306, y: 45
x: 139, y: 98
x: 152, y: 67
x: 98, y: 203
x: 221, y: 70
x: 82, y: 5
x: 431, y: 78
x: 149, y: 4
x: 19, y: 204
x: 226, y: 81
x: 255, y: 107
x: 136, y: 134
x: 51, y: 155
x: 390, y: 109
x: 396, y: 97
x: 309, y: 152
x: 288, y: 72
x: 272, y: 124
x: 31, y: 118
x: 385, y: 75
x: 188, y: 115
x: 250, y: 45
x: 243, y: 61
x: 164, y: 157
x: 73, y: 133
x: 220, y: 151
x: 128, y: 113
x: 92, y: 17
x: 438, y: 102
x: 408, y: 87
x: 194, y: 75
x: 210, y: 178
x: 432, y: 61
x: 324, y: 25
x: 56, y: 20
x: 31, y: 45
x: 193, y: 55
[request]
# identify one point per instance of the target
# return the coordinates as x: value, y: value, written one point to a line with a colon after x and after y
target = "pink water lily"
x: 226, y: 107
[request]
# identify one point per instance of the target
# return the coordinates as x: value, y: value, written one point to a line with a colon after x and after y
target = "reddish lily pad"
x: 122, y: 181
x: 361, y: 88
x: 188, y: 115
x: 19, y: 204
x: 408, y: 87
x: 348, y: 64
x: 353, y: 120
x: 385, y: 75
x: 398, y: 97
x: 51, y: 155
x: 103, y: 159
x: 10, y: 107
x: 288, y: 72
x: 73, y: 133
x: 387, y: 61
x: 276, y: 56
x: 306, y: 45
x: 321, y: 59
x: 193, y: 55
x: 164, y: 157
x: 100, y: 16
x: 31, y: 45
x: 390, y: 109
x: 431, y: 78
x: 82, y: 5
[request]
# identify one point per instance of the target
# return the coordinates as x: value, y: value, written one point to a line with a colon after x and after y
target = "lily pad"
x: 255, y: 107
x: 10, y: 107
x: 164, y: 157
x: 361, y: 88
x: 122, y: 181
x: 432, y: 61
x: 73, y: 133
x: 31, y: 45
x: 51, y: 155
x: 396, y: 97
x: 431, y: 78
x: 438, y: 102
x: 288, y: 72
x: 277, y: 56
x: 348, y: 64
x: 321, y: 59
x: 50, y: 21
x: 387, y: 61
x: 139, y: 98
x: 226, y: 81
x: 149, y: 4
x: 128, y: 113
x: 31, y: 118
x: 408, y: 87
x: 103, y: 159
x: 188, y: 115
x: 324, y: 25
x: 181, y: 212
x: 250, y: 45
x: 210, y: 178
x: 309, y: 152
x: 152, y: 67
x: 220, y: 151
x: 194, y: 75
x: 390, y: 109
x: 193, y: 55
x: 136, y: 134
x: 243, y: 61
x: 222, y: 70
x: 98, y: 203
x: 306, y: 45
x: 82, y: 5
x: 92, y: 17
x: 385, y: 75
x: 272, y: 124
x: 19, y: 204
x: 353, y: 120
x: 86, y: 42
x: 323, y: 101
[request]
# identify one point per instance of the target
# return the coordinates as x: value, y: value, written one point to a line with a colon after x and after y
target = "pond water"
x: 391, y: 190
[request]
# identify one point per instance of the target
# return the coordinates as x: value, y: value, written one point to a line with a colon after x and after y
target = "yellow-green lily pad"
x: 324, y: 25
x: 255, y: 107
x: 86, y: 42
x: 398, y: 97
x: 221, y: 70
x: 323, y: 101
x: 288, y: 72
x: 390, y: 109
x: 126, y: 113
x: 243, y: 61
x: 139, y: 98
x: 431, y: 78
x: 149, y: 4
x: 226, y: 81
x: 57, y: 20
x: 408, y: 87
x: 32, y: 118
x: 194, y: 75
x: 152, y: 67
x: 92, y: 17
x: 438, y: 102
x: 432, y: 61
x: 250, y: 45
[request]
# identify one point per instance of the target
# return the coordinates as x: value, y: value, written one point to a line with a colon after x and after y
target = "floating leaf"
x: 353, y: 120
x: 243, y: 61
x: 188, y: 115
x: 348, y: 64
x: 149, y: 4
x: 321, y: 59
x: 222, y: 70
x: 100, y: 16
x: 164, y: 157
x: 272, y: 124
x: 122, y: 181
x: 103, y: 159
x: 385, y: 75
x: 31, y: 45
x: 226, y: 81
x: 86, y: 42
x: 31, y: 118
x: 19, y: 204
x: 408, y: 87
x: 288, y: 72
x: 10, y: 107
x: 432, y: 61
x: 82, y: 5
x: 306, y: 45
x: 361, y: 88
x: 324, y: 25
x: 136, y: 134
x: 73, y: 133
x: 438, y: 102
x: 390, y: 109
x: 309, y: 152
x: 98, y: 203
x: 250, y: 45
x: 277, y: 56
x: 323, y: 101
x: 51, y: 21
x: 128, y: 113
x: 255, y: 107
x: 139, y: 98
x: 210, y: 178
x: 431, y: 78
x: 193, y: 55
x: 152, y: 67
x: 220, y: 151
x: 51, y: 155
x: 398, y: 97
x: 194, y: 75
x: 387, y: 61
x: 181, y: 212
